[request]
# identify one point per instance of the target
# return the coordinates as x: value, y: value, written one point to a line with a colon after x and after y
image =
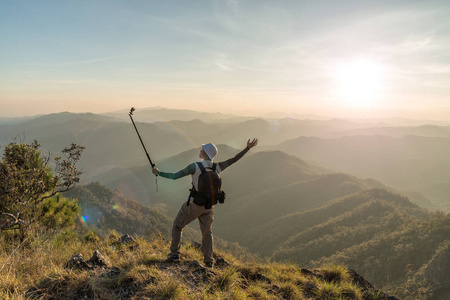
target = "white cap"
x: 210, y: 150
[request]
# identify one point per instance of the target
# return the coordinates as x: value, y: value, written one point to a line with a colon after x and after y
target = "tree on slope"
x: 27, y: 181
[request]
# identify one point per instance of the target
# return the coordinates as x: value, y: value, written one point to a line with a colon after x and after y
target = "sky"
x: 343, y: 58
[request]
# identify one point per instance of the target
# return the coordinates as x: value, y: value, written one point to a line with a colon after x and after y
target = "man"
x: 191, y: 211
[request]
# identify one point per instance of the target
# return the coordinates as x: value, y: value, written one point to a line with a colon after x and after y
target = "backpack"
x: 209, y: 191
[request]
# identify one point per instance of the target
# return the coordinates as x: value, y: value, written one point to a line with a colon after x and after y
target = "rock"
x: 126, y: 239
x: 359, y: 280
x: 310, y: 273
x: 367, y: 287
x: 77, y: 262
x: 98, y: 260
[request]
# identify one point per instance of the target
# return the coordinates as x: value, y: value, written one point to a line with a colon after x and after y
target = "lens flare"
x: 83, y: 219
x: 359, y: 82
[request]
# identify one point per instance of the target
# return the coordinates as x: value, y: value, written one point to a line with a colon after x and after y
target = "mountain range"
x: 413, y: 159
x: 405, y: 162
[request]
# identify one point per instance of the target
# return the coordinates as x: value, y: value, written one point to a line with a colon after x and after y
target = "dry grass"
x: 39, y: 271
x: 335, y: 273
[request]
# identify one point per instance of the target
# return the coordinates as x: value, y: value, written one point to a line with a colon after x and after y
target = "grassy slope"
x: 140, y: 273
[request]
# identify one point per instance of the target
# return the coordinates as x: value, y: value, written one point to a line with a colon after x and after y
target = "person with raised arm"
x: 200, y: 204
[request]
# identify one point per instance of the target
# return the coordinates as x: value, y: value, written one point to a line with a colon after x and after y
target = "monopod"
x: 148, y: 156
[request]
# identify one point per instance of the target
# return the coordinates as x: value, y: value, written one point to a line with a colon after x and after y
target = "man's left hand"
x: 155, y: 171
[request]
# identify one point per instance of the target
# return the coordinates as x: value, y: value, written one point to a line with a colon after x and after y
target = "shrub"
x: 327, y: 291
x: 227, y: 279
x: 335, y: 273
x: 168, y: 289
x: 351, y: 291
x: 91, y: 237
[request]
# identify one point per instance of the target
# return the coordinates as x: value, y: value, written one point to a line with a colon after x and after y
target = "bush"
x: 27, y: 183
x: 91, y: 237
x: 335, y: 273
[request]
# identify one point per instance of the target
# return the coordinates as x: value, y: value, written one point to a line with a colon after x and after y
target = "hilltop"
x: 130, y: 268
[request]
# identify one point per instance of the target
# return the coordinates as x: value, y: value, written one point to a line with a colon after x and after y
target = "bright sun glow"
x: 359, y: 82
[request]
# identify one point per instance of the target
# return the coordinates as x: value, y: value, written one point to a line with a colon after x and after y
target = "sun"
x: 358, y: 82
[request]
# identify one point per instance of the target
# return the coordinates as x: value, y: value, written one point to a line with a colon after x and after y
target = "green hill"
x: 110, y: 210
x: 270, y: 235
x: 377, y: 211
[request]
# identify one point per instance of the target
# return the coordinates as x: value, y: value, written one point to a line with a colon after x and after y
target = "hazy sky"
x: 352, y: 58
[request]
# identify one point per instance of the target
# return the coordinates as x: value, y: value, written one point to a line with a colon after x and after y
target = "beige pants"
x: 186, y: 215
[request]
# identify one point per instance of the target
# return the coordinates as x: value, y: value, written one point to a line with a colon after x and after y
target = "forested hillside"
x: 106, y: 210
x: 103, y: 210
x: 393, y: 257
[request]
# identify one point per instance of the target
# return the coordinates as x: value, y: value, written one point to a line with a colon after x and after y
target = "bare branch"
x: 10, y: 215
x: 15, y: 221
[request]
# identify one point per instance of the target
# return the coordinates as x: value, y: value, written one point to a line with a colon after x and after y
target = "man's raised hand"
x: 252, y: 143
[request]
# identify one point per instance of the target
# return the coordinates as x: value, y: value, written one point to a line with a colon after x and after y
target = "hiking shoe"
x: 173, y: 257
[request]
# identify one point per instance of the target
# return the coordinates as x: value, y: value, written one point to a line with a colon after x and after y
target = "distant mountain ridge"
x: 160, y: 114
x: 402, y: 162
